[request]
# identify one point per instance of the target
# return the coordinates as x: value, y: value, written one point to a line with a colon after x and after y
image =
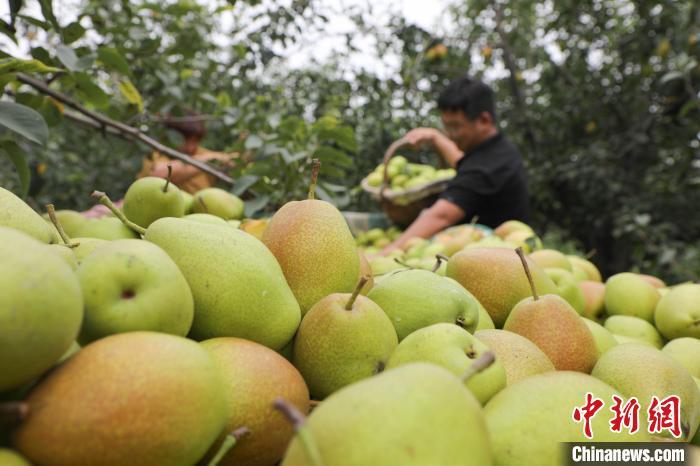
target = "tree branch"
x: 126, y: 131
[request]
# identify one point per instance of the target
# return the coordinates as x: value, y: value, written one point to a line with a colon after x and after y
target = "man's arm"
x: 443, y: 145
x: 439, y: 216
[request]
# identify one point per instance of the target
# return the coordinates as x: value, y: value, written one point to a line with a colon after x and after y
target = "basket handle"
x: 390, y: 152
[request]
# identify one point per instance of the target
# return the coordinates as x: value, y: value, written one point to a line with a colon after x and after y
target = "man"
x: 490, y: 181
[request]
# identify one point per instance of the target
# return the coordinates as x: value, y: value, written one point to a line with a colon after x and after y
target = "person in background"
x: 491, y: 181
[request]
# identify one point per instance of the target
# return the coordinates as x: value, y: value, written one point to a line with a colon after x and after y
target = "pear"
x: 520, y: 357
x: 524, y: 239
x: 342, y: 339
x: 687, y: 352
x: 414, y: 299
x: 549, y: 258
x: 466, y: 236
x: 12, y: 458
x: 254, y: 377
x: 65, y: 253
x: 15, y: 213
x: 365, y: 271
x: 587, y: 266
x: 510, y: 226
x: 629, y: 294
x: 678, y: 313
x: 41, y: 308
x: 653, y: 281
x: 216, y: 201
x: 634, y: 327
x: 255, y: 227
x: 150, y: 198
x: 187, y: 201
x: 314, y: 246
x: 455, y: 349
x: 107, y: 228
x: 85, y: 246
x: 205, y: 218
x: 139, y: 398
x: 417, y: 414
x: 568, y: 287
x: 485, y: 322
x: 383, y: 265
x: 71, y: 220
x: 604, y: 339
x: 529, y: 419
x: 130, y: 285
x: 594, y: 296
x: 641, y: 371
x: 555, y: 327
x: 495, y: 277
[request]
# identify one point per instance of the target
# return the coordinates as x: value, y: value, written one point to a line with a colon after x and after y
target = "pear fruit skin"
x: 530, y: 418
x: 594, y: 297
x: 12, y: 458
x: 634, y: 327
x: 139, y: 398
x: 254, y: 376
x: 641, y: 371
x: 41, y: 308
x: 365, y: 271
x: 455, y: 349
x: 106, y: 228
x: 15, y: 213
x: 187, y: 201
x: 686, y: 351
x: 485, y: 322
x: 70, y: 220
x: 520, y: 357
x: 550, y: 258
x: 216, y: 201
x: 145, y: 201
x: 587, y: 266
x: 511, y: 226
x: 569, y: 289
x: 677, y: 314
x: 629, y: 294
x: 414, y: 299
x: 604, y: 339
x: 238, y: 287
x: 205, y: 218
x: 335, y: 347
x: 131, y: 285
x: 314, y: 246
x: 85, y: 246
x: 496, y: 278
x: 555, y: 327
x: 414, y: 415
x: 65, y: 253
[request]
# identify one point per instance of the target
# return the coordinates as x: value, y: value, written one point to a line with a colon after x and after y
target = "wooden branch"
x: 126, y: 131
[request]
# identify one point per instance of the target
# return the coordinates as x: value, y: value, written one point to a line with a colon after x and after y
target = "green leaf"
x: 35, y: 22
x: 243, y: 183
x: 24, y: 121
x: 8, y: 30
x: 131, y: 94
x: 15, y: 6
x: 114, y: 60
x: 73, y: 32
x: 68, y: 57
x: 16, y: 65
x: 91, y: 91
x: 253, y: 142
x: 255, y: 205
x: 47, y: 11
x: 18, y: 159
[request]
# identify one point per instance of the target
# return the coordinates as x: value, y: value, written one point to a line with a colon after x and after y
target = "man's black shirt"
x: 491, y: 183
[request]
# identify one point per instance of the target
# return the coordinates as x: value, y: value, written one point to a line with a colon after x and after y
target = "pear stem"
x: 167, y: 179
x: 228, y: 443
x: 13, y: 412
x: 591, y: 253
x: 402, y: 263
x: 474, y: 220
x: 439, y: 258
x: 363, y: 279
x: 479, y: 364
x: 315, y: 167
x: 61, y: 232
x: 521, y: 254
x: 298, y: 421
x: 107, y: 202
x: 201, y: 201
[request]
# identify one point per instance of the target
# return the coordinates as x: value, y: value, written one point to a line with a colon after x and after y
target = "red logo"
x: 625, y: 416
x: 665, y: 415
x: 586, y: 413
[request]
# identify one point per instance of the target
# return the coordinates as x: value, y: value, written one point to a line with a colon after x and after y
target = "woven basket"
x: 403, y: 207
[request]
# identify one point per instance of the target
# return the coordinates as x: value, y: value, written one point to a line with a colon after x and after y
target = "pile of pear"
x: 197, y: 343
x: 404, y: 175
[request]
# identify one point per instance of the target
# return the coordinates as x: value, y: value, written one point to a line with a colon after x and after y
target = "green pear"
x: 455, y: 349
x: 604, y: 339
x: 569, y: 289
x: 529, y: 420
x: 550, y: 258
x: 131, y: 285
x: 234, y: 223
x: 594, y: 296
x: 524, y: 239
x: 41, y: 308
x: 107, y: 228
x: 678, y: 313
x: 85, y: 246
x: 520, y: 357
x: 205, y: 218
x: 485, y: 322
x: 686, y: 351
x: 150, y: 198
x: 587, y: 266
x: 254, y: 377
x: 138, y: 399
x: 415, y: 415
x: 489, y: 242
x: 634, y: 327
x: 643, y: 372
x: 342, y: 339
x: 238, y: 286
x: 578, y: 272
x: 511, y: 226
x: 15, y: 213
x: 414, y: 299
x: 383, y: 265
x: 65, y: 253
x: 218, y: 202
x: 12, y: 458
x: 70, y: 220
x: 187, y: 201
x: 629, y: 294
x: 621, y: 339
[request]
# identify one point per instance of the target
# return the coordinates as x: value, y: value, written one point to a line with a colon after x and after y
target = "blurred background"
x: 601, y: 97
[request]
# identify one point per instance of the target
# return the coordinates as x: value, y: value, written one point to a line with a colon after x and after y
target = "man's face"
x: 465, y: 132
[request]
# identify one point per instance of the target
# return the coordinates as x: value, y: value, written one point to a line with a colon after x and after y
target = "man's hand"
x: 418, y: 138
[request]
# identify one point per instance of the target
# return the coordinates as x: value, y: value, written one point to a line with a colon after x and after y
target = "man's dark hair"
x: 468, y: 95
x: 190, y: 125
